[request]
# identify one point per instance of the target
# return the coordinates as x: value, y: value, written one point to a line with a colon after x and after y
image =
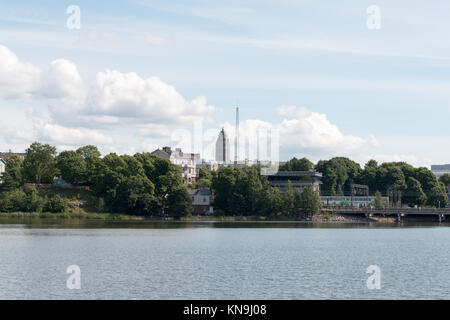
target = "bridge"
x: 440, y: 214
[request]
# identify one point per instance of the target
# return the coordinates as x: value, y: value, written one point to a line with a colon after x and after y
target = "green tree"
x: 379, y: 203
x: 91, y: 156
x: 13, y: 175
x: 329, y: 181
x: 122, y: 182
x: 414, y: 194
x: 289, y: 200
x: 295, y: 164
x: 180, y: 203
x: 71, y: 166
x: 56, y: 204
x: 310, y: 201
x: 338, y: 174
x: 89, y: 153
x: 272, y: 202
x: 39, y: 163
x: 437, y: 196
x: 445, y: 179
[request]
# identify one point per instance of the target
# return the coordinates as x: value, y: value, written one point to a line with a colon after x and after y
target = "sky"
x: 138, y: 75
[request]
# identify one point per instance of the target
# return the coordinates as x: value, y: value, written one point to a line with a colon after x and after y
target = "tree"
x: 329, y: 181
x: 135, y: 195
x: 91, y: 156
x: 445, y: 179
x: 223, y: 187
x: 438, y: 196
x: 310, y: 201
x: 122, y: 182
x: 379, y: 203
x: 414, y: 194
x: 71, y: 166
x: 56, y: 204
x: 295, y: 164
x: 289, y: 200
x: 39, y: 163
x: 272, y: 202
x: 180, y: 203
x: 338, y: 174
x: 89, y: 153
x: 13, y: 175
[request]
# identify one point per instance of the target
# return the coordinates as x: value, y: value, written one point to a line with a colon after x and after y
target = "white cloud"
x: 78, y: 113
x: 60, y: 135
x: 301, y: 133
x: 17, y: 79
x: 128, y: 96
x: 123, y: 111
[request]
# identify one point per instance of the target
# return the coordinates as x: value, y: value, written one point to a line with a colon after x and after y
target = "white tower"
x: 222, y: 147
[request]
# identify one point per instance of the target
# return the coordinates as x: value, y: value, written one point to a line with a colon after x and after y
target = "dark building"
x: 298, y: 179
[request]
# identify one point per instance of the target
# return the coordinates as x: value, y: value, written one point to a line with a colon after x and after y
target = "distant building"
x: 186, y: 161
x: 349, y: 201
x: 298, y: 179
x: 3, y: 155
x: 164, y: 153
x: 440, y: 170
x: 2, y: 169
x: 222, y: 148
x: 210, y: 165
x: 201, y: 201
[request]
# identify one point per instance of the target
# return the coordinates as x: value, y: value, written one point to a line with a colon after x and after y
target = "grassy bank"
x: 46, y: 215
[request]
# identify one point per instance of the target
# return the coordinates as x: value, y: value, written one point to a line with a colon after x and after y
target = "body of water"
x: 133, y: 260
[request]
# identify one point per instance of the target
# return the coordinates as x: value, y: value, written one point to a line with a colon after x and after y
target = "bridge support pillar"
x: 399, y: 217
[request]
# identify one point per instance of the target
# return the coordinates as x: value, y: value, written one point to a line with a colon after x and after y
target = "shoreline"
x: 321, y: 218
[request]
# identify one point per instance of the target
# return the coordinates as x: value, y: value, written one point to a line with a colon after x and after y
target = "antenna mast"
x: 236, y: 140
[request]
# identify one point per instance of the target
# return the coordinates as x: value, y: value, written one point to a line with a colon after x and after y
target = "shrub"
x: 56, y: 204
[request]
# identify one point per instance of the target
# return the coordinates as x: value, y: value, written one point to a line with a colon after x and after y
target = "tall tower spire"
x: 236, y: 140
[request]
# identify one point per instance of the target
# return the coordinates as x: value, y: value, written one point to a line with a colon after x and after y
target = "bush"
x: 56, y: 204
x: 21, y: 200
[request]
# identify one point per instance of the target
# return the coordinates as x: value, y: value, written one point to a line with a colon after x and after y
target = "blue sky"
x: 388, y: 87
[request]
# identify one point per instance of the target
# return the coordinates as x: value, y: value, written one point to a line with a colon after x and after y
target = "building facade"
x: 201, y: 201
x: 440, y: 170
x: 298, y: 179
x: 186, y: 161
x: 351, y: 201
x: 222, y: 148
x: 2, y: 169
x: 21, y: 155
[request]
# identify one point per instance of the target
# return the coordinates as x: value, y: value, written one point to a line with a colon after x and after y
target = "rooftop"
x: 297, y: 174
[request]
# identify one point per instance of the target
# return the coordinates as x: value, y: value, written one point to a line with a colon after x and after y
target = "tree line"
x: 244, y: 191
x: 417, y: 186
x: 141, y: 184
x: 144, y: 184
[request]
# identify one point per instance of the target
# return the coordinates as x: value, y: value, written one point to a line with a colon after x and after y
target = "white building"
x: 186, y: 161
x: 222, y: 147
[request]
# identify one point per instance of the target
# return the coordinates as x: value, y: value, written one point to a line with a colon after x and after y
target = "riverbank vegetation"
x: 412, y: 186
x: 148, y: 186
x: 142, y: 184
x: 248, y: 193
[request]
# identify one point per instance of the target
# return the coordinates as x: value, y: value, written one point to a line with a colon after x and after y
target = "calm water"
x: 222, y: 261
